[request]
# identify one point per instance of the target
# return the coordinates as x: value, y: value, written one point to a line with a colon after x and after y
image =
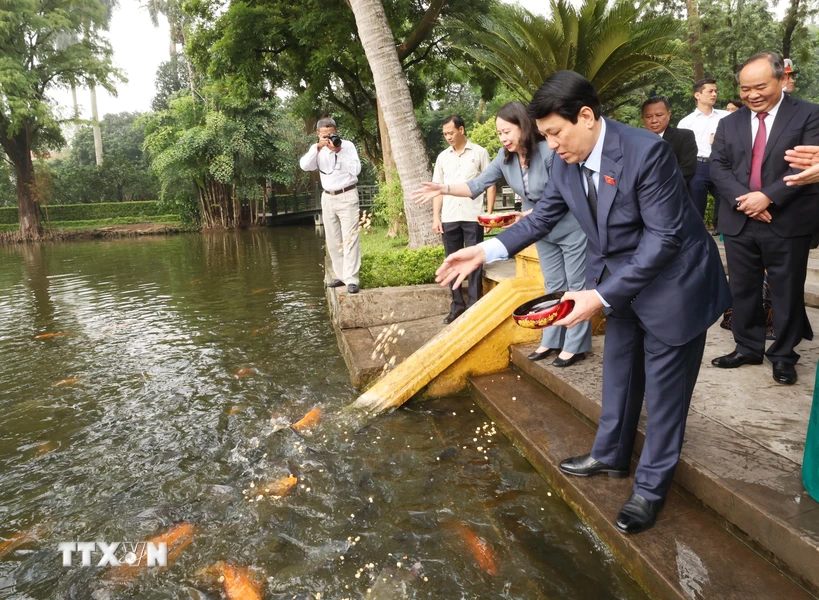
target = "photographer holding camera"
x: 338, y: 165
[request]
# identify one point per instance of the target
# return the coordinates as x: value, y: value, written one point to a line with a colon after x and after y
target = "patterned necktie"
x: 757, y: 154
x: 591, y: 191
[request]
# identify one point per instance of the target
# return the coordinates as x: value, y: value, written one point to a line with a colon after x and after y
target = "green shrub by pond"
x: 387, y: 262
x: 89, y: 211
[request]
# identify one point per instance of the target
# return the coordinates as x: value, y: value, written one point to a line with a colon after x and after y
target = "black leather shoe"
x: 735, y: 359
x: 568, y: 362
x: 334, y: 283
x: 586, y: 466
x: 638, y: 514
x: 784, y: 373
x: 540, y: 355
x: 452, y: 316
x: 352, y: 288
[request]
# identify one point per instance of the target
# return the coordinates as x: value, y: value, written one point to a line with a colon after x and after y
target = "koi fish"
x: 46, y: 447
x: 238, y: 583
x: 244, y: 372
x: 274, y: 489
x: 177, y: 538
x: 67, y: 381
x: 479, y: 548
x: 307, y: 421
x: 257, y: 291
x: 18, y: 539
x: 49, y: 335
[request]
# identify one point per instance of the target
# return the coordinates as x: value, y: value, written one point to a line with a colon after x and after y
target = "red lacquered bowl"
x: 543, y: 311
x: 496, y: 219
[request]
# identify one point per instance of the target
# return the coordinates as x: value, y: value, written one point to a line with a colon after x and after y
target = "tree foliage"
x: 34, y: 60
x: 610, y: 44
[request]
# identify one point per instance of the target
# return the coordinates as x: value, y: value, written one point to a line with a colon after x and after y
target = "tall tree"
x: 394, y: 98
x: 613, y: 46
x: 32, y: 62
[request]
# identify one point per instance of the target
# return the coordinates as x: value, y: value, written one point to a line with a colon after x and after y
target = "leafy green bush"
x: 388, y: 207
x: 400, y: 267
x: 486, y: 135
x: 89, y: 212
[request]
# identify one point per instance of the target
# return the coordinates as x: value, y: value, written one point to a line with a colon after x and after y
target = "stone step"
x: 744, y: 470
x: 689, y: 554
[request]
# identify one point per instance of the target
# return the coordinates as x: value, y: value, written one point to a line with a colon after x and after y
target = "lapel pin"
x: 609, y: 179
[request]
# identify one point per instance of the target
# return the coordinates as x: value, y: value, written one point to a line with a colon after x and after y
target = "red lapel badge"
x: 609, y: 179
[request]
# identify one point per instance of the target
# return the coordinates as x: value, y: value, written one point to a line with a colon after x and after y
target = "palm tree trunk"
x: 387, y: 160
x: 95, y: 123
x: 694, y: 29
x: 393, y: 96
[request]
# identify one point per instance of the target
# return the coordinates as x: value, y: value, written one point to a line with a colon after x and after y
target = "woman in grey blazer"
x: 524, y: 162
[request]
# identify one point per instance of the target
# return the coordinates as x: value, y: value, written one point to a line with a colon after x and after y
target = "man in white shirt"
x: 338, y: 165
x: 703, y: 122
x: 456, y: 217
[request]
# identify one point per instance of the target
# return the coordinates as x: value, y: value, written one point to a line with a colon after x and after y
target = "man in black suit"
x: 767, y: 225
x: 656, y: 114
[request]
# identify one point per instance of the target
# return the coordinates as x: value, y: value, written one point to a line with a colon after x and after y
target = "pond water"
x: 158, y: 401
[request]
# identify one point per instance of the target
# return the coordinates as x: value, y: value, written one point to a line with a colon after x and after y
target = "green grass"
x: 387, y: 262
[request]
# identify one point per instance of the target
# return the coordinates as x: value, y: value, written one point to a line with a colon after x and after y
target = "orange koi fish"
x: 49, y: 335
x: 67, y: 381
x: 177, y: 538
x: 279, y: 487
x: 479, y: 548
x: 238, y: 583
x: 46, y: 447
x: 18, y: 539
x: 244, y: 372
x: 307, y: 421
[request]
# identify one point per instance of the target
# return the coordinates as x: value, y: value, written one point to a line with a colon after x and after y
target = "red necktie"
x: 757, y: 154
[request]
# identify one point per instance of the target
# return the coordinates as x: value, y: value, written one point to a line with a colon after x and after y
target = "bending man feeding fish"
x: 652, y: 268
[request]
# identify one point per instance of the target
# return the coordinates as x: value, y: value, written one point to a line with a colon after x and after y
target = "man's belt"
x: 703, y: 159
x: 342, y: 190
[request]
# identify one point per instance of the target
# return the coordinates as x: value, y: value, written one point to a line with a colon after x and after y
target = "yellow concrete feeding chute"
x: 474, y: 344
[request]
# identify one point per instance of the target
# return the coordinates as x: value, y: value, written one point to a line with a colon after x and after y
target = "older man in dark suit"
x: 651, y: 264
x: 656, y: 115
x: 767, y: 225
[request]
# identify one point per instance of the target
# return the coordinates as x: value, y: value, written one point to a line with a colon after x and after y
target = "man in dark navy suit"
x: 767, y: 225
x: 652, y: 266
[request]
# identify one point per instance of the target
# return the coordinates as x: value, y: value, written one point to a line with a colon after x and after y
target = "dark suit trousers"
x: 457, y: 235
x: 750, y: 253
x: 699, y: 186
x: 637, y: 365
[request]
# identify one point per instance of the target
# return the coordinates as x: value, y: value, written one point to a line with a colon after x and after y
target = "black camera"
x: 335, y: 139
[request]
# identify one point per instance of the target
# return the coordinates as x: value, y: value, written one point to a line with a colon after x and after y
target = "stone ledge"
x: 741, y: 470
x: 383, y: 306
x: 687, y: 555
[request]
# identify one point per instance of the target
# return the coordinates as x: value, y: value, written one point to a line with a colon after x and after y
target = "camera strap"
x: 335, y: 162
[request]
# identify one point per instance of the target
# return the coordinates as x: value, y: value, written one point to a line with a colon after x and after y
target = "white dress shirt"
x: 338, y: 170
x: 768, y: 121
x: 452, y: 167
x: 704, y: 127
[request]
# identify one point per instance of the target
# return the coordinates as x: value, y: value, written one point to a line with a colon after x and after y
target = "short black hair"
x: 701, y: 83
x: 656, y: 100
x: 735, y: 101
x: 564, y: 93
x: 456, y: 120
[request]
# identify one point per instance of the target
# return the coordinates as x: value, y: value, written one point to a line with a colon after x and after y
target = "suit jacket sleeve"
x: 488, y: 176
x: 687, y: 154
x: 547, y: 213
x: 722, y: 174
x: 779, y: 193
x: 660, y: 196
